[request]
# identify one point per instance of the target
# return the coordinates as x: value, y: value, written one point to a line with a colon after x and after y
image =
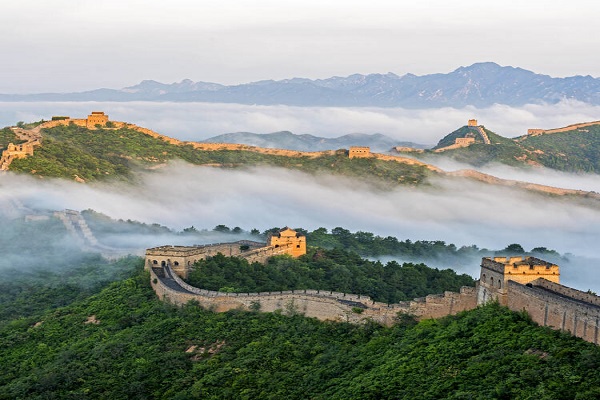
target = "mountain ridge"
x: 306, y: 142
x: 65, y: 149
x: 480, y: 85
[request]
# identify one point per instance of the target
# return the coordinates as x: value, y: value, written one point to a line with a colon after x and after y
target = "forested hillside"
x: 81, y: 327
x: 124, y: 343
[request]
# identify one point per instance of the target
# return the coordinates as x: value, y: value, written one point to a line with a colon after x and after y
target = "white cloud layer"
x: 198, y: 121
x: 456, y: 212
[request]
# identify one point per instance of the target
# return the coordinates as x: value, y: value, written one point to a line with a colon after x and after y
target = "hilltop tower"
x: 294, y: 241
x: 96, y: 118
x: 497, y: 271
x: 359, y: 152
x: 472, y: 122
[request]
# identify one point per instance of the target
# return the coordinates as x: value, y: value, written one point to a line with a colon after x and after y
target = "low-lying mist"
x: 456, y: 211
x: 199, y: 121
x: 540, y: 175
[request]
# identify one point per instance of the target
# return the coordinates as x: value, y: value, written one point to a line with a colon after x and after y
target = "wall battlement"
x: 521, y: 266
x: 182, y: 258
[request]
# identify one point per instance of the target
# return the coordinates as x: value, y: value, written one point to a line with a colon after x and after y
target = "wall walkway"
x: 320, y: 304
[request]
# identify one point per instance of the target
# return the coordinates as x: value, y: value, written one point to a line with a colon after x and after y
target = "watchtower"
x: 497, y: 271
x: 359, y: 152
x: 96, y: 118
x: 472, y: 122
x: 294, y: 241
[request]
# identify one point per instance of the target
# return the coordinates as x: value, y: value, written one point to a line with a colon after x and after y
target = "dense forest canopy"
x: 82, y: 327
x: 124, y: 343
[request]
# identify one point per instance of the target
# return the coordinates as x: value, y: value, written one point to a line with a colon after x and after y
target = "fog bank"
x: 458, y: 212
x: 199, y: 121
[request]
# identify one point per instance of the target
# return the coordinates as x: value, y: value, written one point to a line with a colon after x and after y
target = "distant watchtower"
x: 472, y: 122
x: 497, y: 271
x: 96, y: 118
x: 294, y: 241
x: 359, y: 152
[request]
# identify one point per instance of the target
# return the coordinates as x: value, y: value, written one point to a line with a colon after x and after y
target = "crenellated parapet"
x: 182, y: 258
x: 320, y: 304
x: 522, y: 269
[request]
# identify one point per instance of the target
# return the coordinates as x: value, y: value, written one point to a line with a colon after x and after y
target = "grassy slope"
x: 502, y: 150
x: 92, y: 155
x: 573, y: 151
x: 142, y: 348
x: 461, y: 132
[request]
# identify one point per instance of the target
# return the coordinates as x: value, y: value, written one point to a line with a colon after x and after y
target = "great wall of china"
x: 169, y: 266
x: 81, y: 233
x: 520, y: 283
x: 568, y: 128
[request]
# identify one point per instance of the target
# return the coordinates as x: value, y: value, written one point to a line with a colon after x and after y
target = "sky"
x: 66, y: 45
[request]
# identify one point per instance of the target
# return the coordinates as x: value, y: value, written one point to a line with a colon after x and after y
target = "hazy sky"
x: 69, y: 45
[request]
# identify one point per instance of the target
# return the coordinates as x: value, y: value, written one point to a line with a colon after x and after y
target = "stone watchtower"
x: 294, y: 241
x: 472, y: 122
x: 497, y: 271
x: 359, y: 152
x: 96, y: 118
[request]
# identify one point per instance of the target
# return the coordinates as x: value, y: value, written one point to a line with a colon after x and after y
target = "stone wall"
x: 323, y: 305
x: 548, y: 303
x: 567, y: 291
x: 552, y: 308
x: 464, y: 141
x: 182, y: 261
x: 183, y: 257
x: 572, y: 127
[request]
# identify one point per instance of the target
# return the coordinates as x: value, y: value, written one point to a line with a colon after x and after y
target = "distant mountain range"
x: 288, y: 140
x: 480, y: 85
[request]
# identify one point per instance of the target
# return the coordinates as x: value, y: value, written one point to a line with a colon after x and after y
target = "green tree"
x: 514, y: 248
x: 221, y: 228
